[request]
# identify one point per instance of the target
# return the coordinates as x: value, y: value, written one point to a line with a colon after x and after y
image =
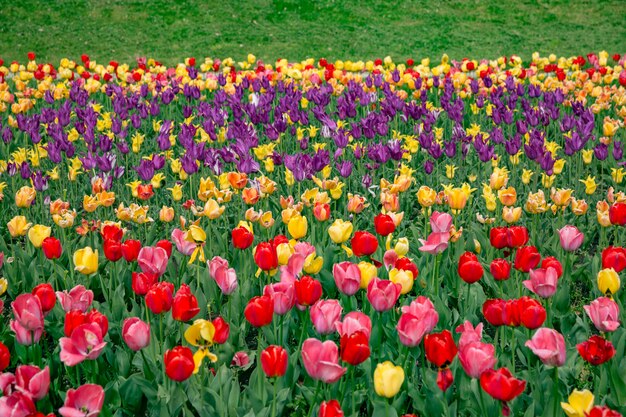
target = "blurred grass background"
x: 169, y: 31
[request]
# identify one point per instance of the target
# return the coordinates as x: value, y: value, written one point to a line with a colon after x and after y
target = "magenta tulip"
x: 283, y: 295
x: 477, y: 357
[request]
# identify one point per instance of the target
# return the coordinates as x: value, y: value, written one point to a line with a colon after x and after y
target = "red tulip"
x: 265, y: 256
x: 500, y: 269
x: 444, y: 379
x: 469, y: 269
x: 532, y: 314
x: 330, y: 408
x: 498, y: 237
x: 94, y: 316
x: 363, y: 243
x: 596, y: 350
x: 73, y: 319
x: 259, y: 311
x: 440, y: 348
x: 308, y: 291
x: 5, y: 357
x: 494, y: 311
x: 47, y: 297
x: 552, y: 262
x: 112, y: 250
x: 517, y: 236
x: 354, y: 348
x: 617, y: 214
x: 112, y: 232
x: 184, y: 304
x: 512, y: 313
x: 160, y: 297
x: 274, y: 361
x: 141, y: 282
x: 502, y: 386
x: 321, y: 211
x: 613, y: 257
x: 178, y: 363
x: 527, y: 258
x: 145, y: 191
x: 165, y: 244
x: 406, y: 264
x: 222, y: 330
x: 384, y: 225
x: 603, y: 410
x: 51, y: 247
x: 242, y: 237
x: 130, y: 250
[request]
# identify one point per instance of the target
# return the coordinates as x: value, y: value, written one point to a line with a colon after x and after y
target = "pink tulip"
x: 136, y: 333
x: 182, y: 245
x: 85, y: 343
x: 435, y: 243
x: 469, y: 333
x: 324, y: 315
x: 571, y: 238
x: 86, y: 401
x: 17, y: 404
x: 225, y: 277
x: 477, y: 357
x: 240, y: 359
x: 542, y: 282
x: 1, y: 259
x: 549, y: 346
x: 389, y: 258
x: 411, y: 329
x: 423, y: 308
x: 7, y: 383
x: 604, y: 313
x: 33, y: 381
x: 293, y: 269
x: 383, y: 294
x: 321, y: 360
x: 440, y: 222
x: 217, y: 262
x: 28, y: 323
x: 353, y: 322
x: 283, y: 295
x: 152, y: 260
x: 79, y: 298
x: 347, y: 277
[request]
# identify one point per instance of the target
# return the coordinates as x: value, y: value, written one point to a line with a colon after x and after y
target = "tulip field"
x: 386, y: 238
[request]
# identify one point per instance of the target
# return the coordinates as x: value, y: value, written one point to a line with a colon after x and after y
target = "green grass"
x: 171, y: 31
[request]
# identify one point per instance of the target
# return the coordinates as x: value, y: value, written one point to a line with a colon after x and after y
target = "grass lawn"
x: 172, y: 30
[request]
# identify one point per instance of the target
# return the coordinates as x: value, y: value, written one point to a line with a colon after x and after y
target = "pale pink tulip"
x: 423, y: 308
x: 182, y: 245
x: 440, y: 222
x: 549, y: 346
x: 604, y: 313
x: 79, y: 298
x: 321, y: 360
x: 136, y: 333
x: 353, y: 322
x: 571, y: 238
x: 411, y: 329
x: 383, y: 294
x: 324, y: 315
x: 543, y: 282
x: 469, y: 333
x: 435, y: 243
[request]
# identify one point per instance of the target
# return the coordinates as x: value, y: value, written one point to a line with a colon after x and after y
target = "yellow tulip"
x: 602, y: 213
x: 177, y: 192
x: 313, y: 264
x: 590, y: 184
x: 37, y: 234
x: 526, y: 176
x: 608, y: 281
x: 402, y: 277
x: 426, y: 196
x: 579, y: 403
x: 90, y: 203
x: 4, y: 285
x: 166, y: 214
x: 283, y: 253
x: 201, y: 334
x: 297, y: 226
x: 579, y: 207
x: 511, y: 214
x: 340, y: 231
x: 25, y: 196
x: 18, y: 226
x: 450, y: 170
x: 457, y: 198
x: 617, y: 174
x: 195, y: 234
x: 388, y: 379
x: 587, y: 156
x: 368, y: 272
x: 402, y: 246
x: 609, y: 129
x: 498, y: 178
x: 561, y: 197
x: 86, y: 260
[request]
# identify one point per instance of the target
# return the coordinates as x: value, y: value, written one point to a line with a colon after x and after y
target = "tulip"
x: 527, y: 258
x: 166, y: 214
x: 426, y: 196
x: 604, y: 313
x: 179, y: 363
x: 85, y: 343
x: 308, y: 290
x: 517, y: 236
x: 355, y: 347
x: 354, y: 321
x: 320, y: 360
x: 259, y: 311
x: 51, y: 247
x: 476, y: 358
x: 222, y: 330
x: 5, y: 357
x: 617, y: 214
x: 130, y: 250
x: 457, y: 198
x: 112, y: 232
x: 321, y: 211
x: 501, y: 385
x: 614, y: 257
x: 347, y: 277
x: 152, y: 260
x: 364, y: 243
x: 531, y: 313
x: 368, y: 272
x: 440, y: 222
x: 384, y: 225
x: 571, y: 238
x: 17, y: 404
x: 29, y: 320
x: 274, y: 361
x: 469, y: 269
x: 388, y: 379
x: 608, y: 281
x: 136, y: 333
x: 242, y: 237
x: 18, y: 226
x: 73, y: 319
x: 330, y: 408
x: 46, y: 296
x: 435, y: 244
x: 603, y: 411
x: 405, y: 264
x: 596, y: 350
x: 37, y: 234
x: 79, y: 298
x: 469, y: 333
x: 87, y: 401
x: 549, y: 346
x: 33, y: 381
x: 383, y: 294
x: 86, y: 260
x: 340, y: 231
x: 402, y: 277
x: 542, y: 282
x: 500, y: 269
x: 283, y: 296
x: 579, y: 403
x: 142, y: 282
x: 240, y: 359
x: 265, y: 256
x: 297, y: 226
x: 552, y: 262
x: 411, y: 329
x: 25, y: 196
x: 166, y: 245
x: 183, y: 245
x: 499, y: 237
x: 440, y: 348
x: 112, y: 250
x: 160, y: 297
x: 494, y: 311
x: 324, y: 314
x: 184, y: 304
